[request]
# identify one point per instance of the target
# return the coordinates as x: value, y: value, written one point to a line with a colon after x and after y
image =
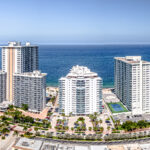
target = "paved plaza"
x: 109, y: 96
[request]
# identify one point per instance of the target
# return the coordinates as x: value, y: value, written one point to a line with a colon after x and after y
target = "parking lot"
x: 128, y: 116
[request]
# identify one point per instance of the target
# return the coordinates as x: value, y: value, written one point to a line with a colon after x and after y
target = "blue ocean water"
x: 57, y: 60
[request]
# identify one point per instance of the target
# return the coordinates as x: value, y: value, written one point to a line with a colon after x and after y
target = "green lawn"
x: 119, y: 107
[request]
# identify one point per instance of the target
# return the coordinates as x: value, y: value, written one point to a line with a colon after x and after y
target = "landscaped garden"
x: 80, y: 125
x: 96, y: 123
x: 117, y: 107
x: 15, y: 117
x: 31, y: 128
x: 61, y: 125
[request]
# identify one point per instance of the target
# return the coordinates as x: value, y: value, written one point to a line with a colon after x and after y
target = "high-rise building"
x: 17, y: 58
x: 2, y: 86
x: 132, y: 83
x: 30, y: 89
x: 80, y: 92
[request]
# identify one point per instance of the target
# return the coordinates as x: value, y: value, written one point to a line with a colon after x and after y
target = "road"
x: 55, y: 104
x: 4, y: 144
x: 141, y: 141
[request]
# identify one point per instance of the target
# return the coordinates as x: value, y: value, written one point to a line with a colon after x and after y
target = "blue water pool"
x: 117, y: 107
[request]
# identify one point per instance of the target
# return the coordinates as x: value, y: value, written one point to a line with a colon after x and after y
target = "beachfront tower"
x: 80, y: 92
x: 30, y: 89
x: 17, y: 58
x: 132, y: 83
x: 2, y: 86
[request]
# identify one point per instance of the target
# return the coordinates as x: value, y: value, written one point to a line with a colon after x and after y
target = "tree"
x: 11, y: 107
x: 63, y: 114
x: 96, y: 122
x: 72, y: 128
x: 25, y: 107
x: 99, y: 137
x: 16, y: 133
x: 70, y: 114
x: 4, y: 130
x: 90, y: 128
x: 49, y: 135
x: 53, y: 100
x: 36, y: 129
x: 66, y: 128
x: 49, y: 113
x: 81, y: 119
x: 37, y: 133
x: 95, y: 114
x: 142, y: 124
x: 25, y: 128
x: 108, y: 128
x: 100, y: 121
x: 129, y: 125
x: 117, y: 123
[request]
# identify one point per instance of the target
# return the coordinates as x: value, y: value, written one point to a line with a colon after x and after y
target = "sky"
x: 75, y: 21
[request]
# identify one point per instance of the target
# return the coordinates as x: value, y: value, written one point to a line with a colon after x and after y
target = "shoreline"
x: 47, y: 86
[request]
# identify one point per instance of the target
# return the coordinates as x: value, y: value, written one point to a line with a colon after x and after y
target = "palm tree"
x: 95, y: 114
x: 90, y: 128
x: 25, y: 128
x: 37, y: 119
x: 108, y: 128
x: 36, y: 129
x: 37, y: 134
x: 4, y: 130
x: 72, y: 129
x: 16, y: 133
x: 49, y: 135
x: 96, y: 122
x: 100, y: 121
x: 117, y: 122
x: 70, y: 114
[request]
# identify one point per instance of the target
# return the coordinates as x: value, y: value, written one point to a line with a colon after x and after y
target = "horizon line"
x: 39, y: 43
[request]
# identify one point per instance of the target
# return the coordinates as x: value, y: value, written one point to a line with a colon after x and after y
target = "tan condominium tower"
x: 17, y: 58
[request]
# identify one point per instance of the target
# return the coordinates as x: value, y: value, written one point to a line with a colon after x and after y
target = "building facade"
x: 17, y: 58
x: 2, y: 86
x: 132, y: 83
x: 30, y: 89
x: 80, y: 92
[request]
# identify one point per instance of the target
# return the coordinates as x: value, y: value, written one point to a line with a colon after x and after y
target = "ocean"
x: 57, y: 60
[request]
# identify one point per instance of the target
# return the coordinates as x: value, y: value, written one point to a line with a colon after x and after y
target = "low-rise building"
x: 4, y: 106
x: 27, y: 144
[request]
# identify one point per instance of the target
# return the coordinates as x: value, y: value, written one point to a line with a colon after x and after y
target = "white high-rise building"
x: 30, y: 89
x: 132, y: 83
x: 80, y: 92
x: 17, y: 58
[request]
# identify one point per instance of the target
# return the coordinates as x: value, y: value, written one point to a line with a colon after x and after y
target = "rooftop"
x: 28, y: 144
x: 2, y: 72
x: 35, y: 73
x: 18, y: 44
x: 132, y: 59
x: 49, y: 146
x: 81, y: 71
